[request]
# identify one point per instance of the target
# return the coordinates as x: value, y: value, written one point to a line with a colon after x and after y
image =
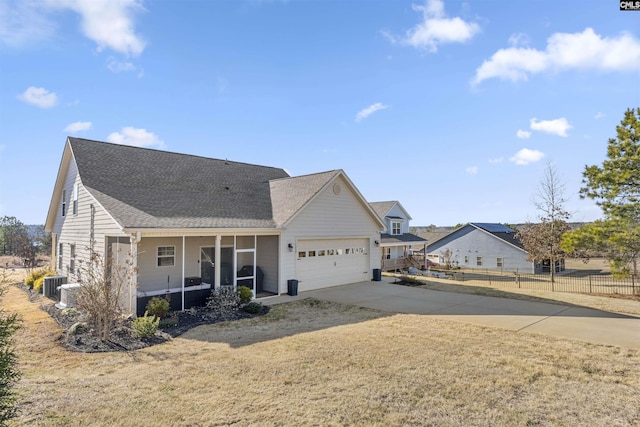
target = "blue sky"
x: 453, y: 108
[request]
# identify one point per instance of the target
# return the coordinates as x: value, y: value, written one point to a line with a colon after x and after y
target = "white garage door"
x: 322, y: 263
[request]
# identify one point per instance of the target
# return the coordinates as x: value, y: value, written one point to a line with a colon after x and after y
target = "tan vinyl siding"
x: 151, y: 277
x: 329, y: 216
x: 74, y: 229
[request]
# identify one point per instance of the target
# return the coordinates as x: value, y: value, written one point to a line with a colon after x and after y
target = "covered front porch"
x: 186, y: 268
x: 398, y: 255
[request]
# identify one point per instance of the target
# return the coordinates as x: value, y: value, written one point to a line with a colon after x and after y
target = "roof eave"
x: 63, y: 168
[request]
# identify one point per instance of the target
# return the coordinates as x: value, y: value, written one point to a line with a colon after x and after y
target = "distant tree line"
x: 23, y: 241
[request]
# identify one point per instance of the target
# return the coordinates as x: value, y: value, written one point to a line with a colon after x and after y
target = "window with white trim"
x: 72, y: 258
x: 166, y: 256
x: 60, y: 250
x: 75, y: 199
x: 499, y: 262
x: 479, y: 261
x: 64, y: 202
x: 396, y: 228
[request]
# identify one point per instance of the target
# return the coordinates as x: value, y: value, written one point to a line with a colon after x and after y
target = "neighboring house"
x: 398, y: 244
x: 188, y: 223
x: 485, y: 246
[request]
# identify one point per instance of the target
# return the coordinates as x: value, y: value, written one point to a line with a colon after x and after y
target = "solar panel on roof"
x: 494, y: 228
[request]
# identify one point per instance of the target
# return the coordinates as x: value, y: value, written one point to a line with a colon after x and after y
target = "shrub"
x: 224, y: 301
x: 253, y: 307
x: 35, y: 279
x: 158, y: 307
x: 70, y: 311
x: 35, y: 275
x: 9, y: 371
x: 146, y: 326
x: 168, y: 322
x: 78, y: 327
x: 37, y: 285
x: 245, y: 294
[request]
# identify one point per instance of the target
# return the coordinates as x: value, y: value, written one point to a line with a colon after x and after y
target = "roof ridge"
x: 309, y: 175
x: 170, y: 152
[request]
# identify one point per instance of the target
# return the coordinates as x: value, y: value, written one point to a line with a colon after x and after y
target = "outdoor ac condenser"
x: 50, y: 286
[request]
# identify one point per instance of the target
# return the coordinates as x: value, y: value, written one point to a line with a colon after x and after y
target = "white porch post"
x: 183, y: 257
x: 133, y: 281
x: 217, y: 263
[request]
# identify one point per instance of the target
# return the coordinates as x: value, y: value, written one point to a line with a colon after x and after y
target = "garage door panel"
x: 331, y: 262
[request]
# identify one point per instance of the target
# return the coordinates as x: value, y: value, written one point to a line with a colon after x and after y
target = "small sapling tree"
x: 102, y: 290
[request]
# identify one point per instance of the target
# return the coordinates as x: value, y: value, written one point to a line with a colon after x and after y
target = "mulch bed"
x: 123, y: 337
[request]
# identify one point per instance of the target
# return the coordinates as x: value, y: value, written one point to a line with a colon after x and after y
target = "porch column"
x: 217, y: 263
x: 183, y: 256
x: 133, y: 280
x: 424, y: 265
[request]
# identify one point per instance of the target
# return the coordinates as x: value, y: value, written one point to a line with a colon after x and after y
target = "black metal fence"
x: 585, y: 284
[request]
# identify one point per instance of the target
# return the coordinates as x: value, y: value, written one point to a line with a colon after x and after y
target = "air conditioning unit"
x: 51, y: 284
x: 68, y: 295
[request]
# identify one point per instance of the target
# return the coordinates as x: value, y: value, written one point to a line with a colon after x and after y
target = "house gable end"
x: 328, y: 214
x: 335, y: 182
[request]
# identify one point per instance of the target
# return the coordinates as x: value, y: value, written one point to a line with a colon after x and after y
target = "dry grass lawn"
x: 315, y: 363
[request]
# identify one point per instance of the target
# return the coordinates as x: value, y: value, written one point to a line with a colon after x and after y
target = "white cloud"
x: 519, y: 39
x: 472, y: 170
x: 39, y: 96
x: 496, y: 160
x: 24, y: 22
x: 557, y: 127
x: 583, y: 51
x: 78, y: 127
x: 116, y: 66
x: 109, y: 23
x: 599, y: 115
x: 435, y: 28
x: 526, y: 156
x: 366, y: 112
x: 523, y: 134
x: 136, y: 137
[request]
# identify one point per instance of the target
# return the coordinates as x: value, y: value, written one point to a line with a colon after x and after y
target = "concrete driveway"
x: 559, y: 320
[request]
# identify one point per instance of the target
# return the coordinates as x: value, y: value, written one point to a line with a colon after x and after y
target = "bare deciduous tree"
x: 101, y: 293
x: 542, y: 240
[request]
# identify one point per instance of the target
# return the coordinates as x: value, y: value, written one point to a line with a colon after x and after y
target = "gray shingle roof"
x: 157, y: 189
x: 381, y: 208
x: 291, y: 194
x: 401, y: 238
